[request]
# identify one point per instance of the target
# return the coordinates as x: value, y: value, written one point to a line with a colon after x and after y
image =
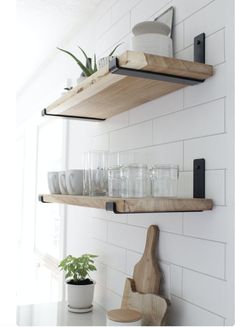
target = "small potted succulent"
x: 105, y: 60
x: 79, y: 284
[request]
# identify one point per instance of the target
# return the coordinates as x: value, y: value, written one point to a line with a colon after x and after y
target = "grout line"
x: 182, y: 281
x: 166, y: 114
x: 198, y: 306
x: 225, y: 261
x: 196, y: 11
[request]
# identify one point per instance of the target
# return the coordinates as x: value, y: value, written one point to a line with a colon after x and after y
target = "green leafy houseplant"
x: 90, y: 67
x: 77, y: 269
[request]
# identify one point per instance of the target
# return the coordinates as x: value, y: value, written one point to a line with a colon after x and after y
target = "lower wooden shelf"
x: 132, y: 205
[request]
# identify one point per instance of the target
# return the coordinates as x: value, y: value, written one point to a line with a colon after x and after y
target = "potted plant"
x: 87, y: 69
x: 79, y: 284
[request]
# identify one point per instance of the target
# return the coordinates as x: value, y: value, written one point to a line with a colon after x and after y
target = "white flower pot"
x: 80, y: 296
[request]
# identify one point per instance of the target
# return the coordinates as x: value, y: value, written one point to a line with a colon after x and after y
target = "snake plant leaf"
x: 112, y: 52
x: 83, y: 67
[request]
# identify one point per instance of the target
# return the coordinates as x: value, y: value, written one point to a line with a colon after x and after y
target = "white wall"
x: 195, y: 249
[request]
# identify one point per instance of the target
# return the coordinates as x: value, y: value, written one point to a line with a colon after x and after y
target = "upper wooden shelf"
x: 131, y: 205
x: 133, y: 79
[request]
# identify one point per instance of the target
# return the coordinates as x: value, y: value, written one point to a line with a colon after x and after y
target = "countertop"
x: 57, y: 314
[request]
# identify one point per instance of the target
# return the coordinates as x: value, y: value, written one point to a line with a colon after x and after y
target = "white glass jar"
x: 164, y: 180
x: 135, y: 181
x: 114, y: 181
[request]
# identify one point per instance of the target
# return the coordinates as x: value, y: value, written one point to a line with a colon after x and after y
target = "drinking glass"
x: 164, y: 180
x: 86, y: 165
x: 135, y: 181
x: 114, y: 181
x: 98, y: 173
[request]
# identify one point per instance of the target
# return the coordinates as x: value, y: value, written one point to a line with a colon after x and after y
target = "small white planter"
x: 80, y: 296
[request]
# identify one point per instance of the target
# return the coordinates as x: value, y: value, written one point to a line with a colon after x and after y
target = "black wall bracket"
x: 199, y: 48
x: 45, y: 113
x: 199, y: 178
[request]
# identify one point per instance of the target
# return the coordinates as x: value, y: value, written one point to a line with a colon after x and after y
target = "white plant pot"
x: 80, y: 296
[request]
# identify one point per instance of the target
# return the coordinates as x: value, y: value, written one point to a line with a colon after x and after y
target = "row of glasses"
x: 116, y: 175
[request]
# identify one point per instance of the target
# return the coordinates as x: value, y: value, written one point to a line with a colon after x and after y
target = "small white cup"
x: 74, y: 181
x: 62, y: 182
x: 53, y: 182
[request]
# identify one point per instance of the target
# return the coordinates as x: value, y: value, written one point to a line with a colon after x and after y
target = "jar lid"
x: 124, y: 315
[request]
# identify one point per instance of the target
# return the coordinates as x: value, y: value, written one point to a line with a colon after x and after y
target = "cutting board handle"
x: 151, y: 241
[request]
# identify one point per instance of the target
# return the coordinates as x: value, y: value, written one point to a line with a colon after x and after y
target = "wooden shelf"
x: 107, y: 93
x: 131, y: 205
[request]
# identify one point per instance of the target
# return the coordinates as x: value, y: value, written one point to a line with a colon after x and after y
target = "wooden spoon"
x: 146, y: 272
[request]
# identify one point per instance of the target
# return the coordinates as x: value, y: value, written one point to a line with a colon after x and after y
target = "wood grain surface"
x: 129, y: 205
x: 146, y: 273
x: 104, y: 94
x: 152, y: 307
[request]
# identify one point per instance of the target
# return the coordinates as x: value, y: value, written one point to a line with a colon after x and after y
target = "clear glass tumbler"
x: 135, y: 181
x: 164, y: 180
x: 114, y: 181
x: 86, y: 165
x: 98, y: 173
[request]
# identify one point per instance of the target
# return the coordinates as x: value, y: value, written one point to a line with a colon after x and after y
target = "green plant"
x: 77, y: 269
x: 89, y: 68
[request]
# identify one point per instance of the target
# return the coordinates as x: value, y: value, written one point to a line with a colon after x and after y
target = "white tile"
x: 205, y: 291
x: 183, y: 313
x: 143, y: 11
x: 208, y: 20
x: 178, y: 37
x: 176, y: 280
x: 213, y: 88
x: 211, y: 225
x: 186, y: 8
x: 131, y: 260
x: 214, y: 188
x: 114, y: 34
x: 200, y: 255
x: 136, y: 136
x: 116, y: 281
x: 121, y: 7
x: 101, y: 142
x: 198, y: 121
x: 113, y: 123
x: 214, y: 54
x: 102, y: 8
x: 109, y: 254
x: 205, y: 148
x: 165, y: 280
x: 120, y: 234
x: 171, y: 153
x: 108, y: 215
x: 103, y: 23
x: 100, y: 275
x: 169, y: 222
x: 99, y: 229
x: 169, y: 103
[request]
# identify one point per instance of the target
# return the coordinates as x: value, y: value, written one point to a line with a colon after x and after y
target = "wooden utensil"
x: 146, y: 272
x: 152, y: 307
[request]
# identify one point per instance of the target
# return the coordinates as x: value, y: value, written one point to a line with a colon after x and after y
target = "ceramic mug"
x: 53, y: 182
x: 74, y: 181
x: 62, y: 182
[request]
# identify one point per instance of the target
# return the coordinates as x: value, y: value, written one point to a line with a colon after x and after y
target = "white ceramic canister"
x: 153, y: 38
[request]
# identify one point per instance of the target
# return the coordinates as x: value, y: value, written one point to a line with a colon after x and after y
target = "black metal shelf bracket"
x: 45, y: 113
x: 199, y: 178
x: 114, y: 68
x: 200, y: 48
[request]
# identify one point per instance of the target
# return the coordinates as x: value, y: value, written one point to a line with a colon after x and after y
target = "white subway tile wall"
x: 195, y: 249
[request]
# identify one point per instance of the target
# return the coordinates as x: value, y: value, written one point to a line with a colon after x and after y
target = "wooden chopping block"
x: 146, y: 272
x: 152, y: 307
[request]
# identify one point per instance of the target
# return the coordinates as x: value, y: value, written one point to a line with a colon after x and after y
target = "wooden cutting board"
x: 146, y: 273
x: 152, y: 307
